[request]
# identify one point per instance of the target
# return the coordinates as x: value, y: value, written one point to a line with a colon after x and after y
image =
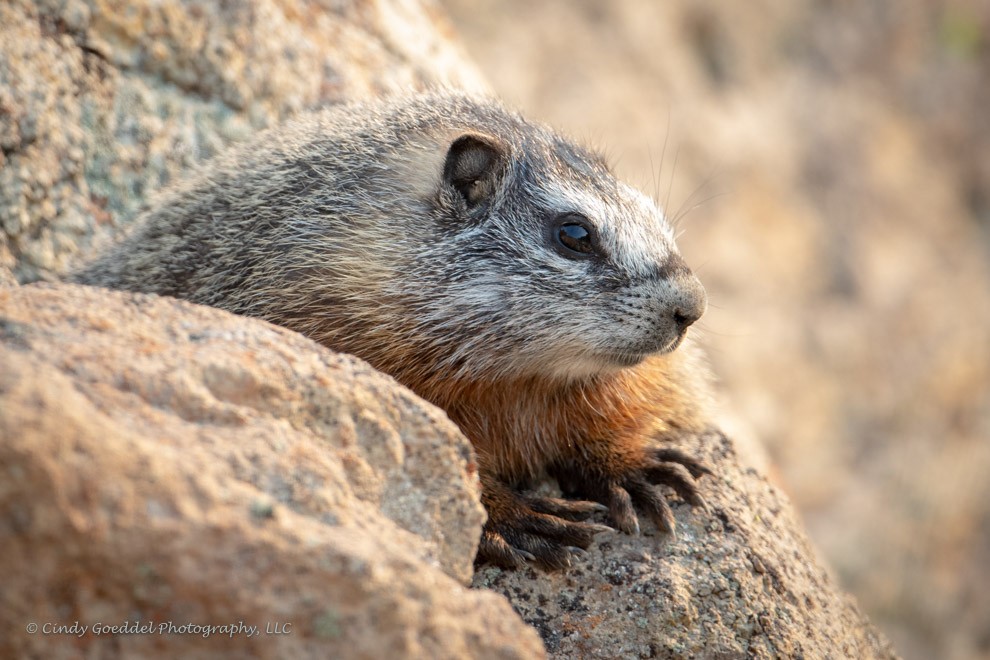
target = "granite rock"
x: 171, y: 463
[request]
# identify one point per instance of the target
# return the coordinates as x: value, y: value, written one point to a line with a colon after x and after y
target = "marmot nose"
x: 690, y: 300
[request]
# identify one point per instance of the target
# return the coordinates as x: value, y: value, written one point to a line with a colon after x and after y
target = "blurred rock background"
x: 828, y: 163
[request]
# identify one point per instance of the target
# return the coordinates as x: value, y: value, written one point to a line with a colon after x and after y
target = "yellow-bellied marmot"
x: 493, y: 267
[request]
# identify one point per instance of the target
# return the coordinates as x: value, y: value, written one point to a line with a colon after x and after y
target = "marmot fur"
x: 493, y: 267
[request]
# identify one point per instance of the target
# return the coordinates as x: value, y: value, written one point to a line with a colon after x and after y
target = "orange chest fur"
x: 519, y: 427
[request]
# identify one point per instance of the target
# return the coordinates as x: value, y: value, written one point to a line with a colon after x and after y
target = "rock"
x: 739, y: 581
x: 102, y: 102
x: 165, y: 463
x: 7, y: 278
x: 169, y: 463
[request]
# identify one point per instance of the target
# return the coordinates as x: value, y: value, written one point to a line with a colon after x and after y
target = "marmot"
x: 495, y: 268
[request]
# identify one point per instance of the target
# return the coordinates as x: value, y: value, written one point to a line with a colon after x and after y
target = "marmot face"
x: 542, y: 264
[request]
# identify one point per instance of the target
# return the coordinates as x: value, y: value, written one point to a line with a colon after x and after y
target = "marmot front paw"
x: 621, y: 480
x: 542, y: 530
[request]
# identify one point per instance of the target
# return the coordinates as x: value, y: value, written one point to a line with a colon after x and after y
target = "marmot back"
x: 492, y: 266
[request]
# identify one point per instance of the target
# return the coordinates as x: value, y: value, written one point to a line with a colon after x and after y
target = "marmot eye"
x: 574, y: 234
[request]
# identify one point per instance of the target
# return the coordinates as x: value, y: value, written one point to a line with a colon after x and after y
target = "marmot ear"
x: 475, y: 166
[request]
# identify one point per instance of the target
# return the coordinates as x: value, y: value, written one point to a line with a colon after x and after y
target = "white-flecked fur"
x: 340, y: 225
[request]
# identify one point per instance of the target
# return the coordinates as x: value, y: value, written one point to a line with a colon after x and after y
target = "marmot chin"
x: 495, y: 268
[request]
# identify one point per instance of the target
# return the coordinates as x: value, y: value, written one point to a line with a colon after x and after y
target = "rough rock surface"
x: 165, y: 462
x: 103, y: 101
x: 740, y: 581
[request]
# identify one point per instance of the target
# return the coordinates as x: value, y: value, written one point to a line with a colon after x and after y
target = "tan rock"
x: 739, y: 581
x: 170, y: 463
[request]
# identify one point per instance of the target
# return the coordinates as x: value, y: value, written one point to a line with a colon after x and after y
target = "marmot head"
x: 483, y: 246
